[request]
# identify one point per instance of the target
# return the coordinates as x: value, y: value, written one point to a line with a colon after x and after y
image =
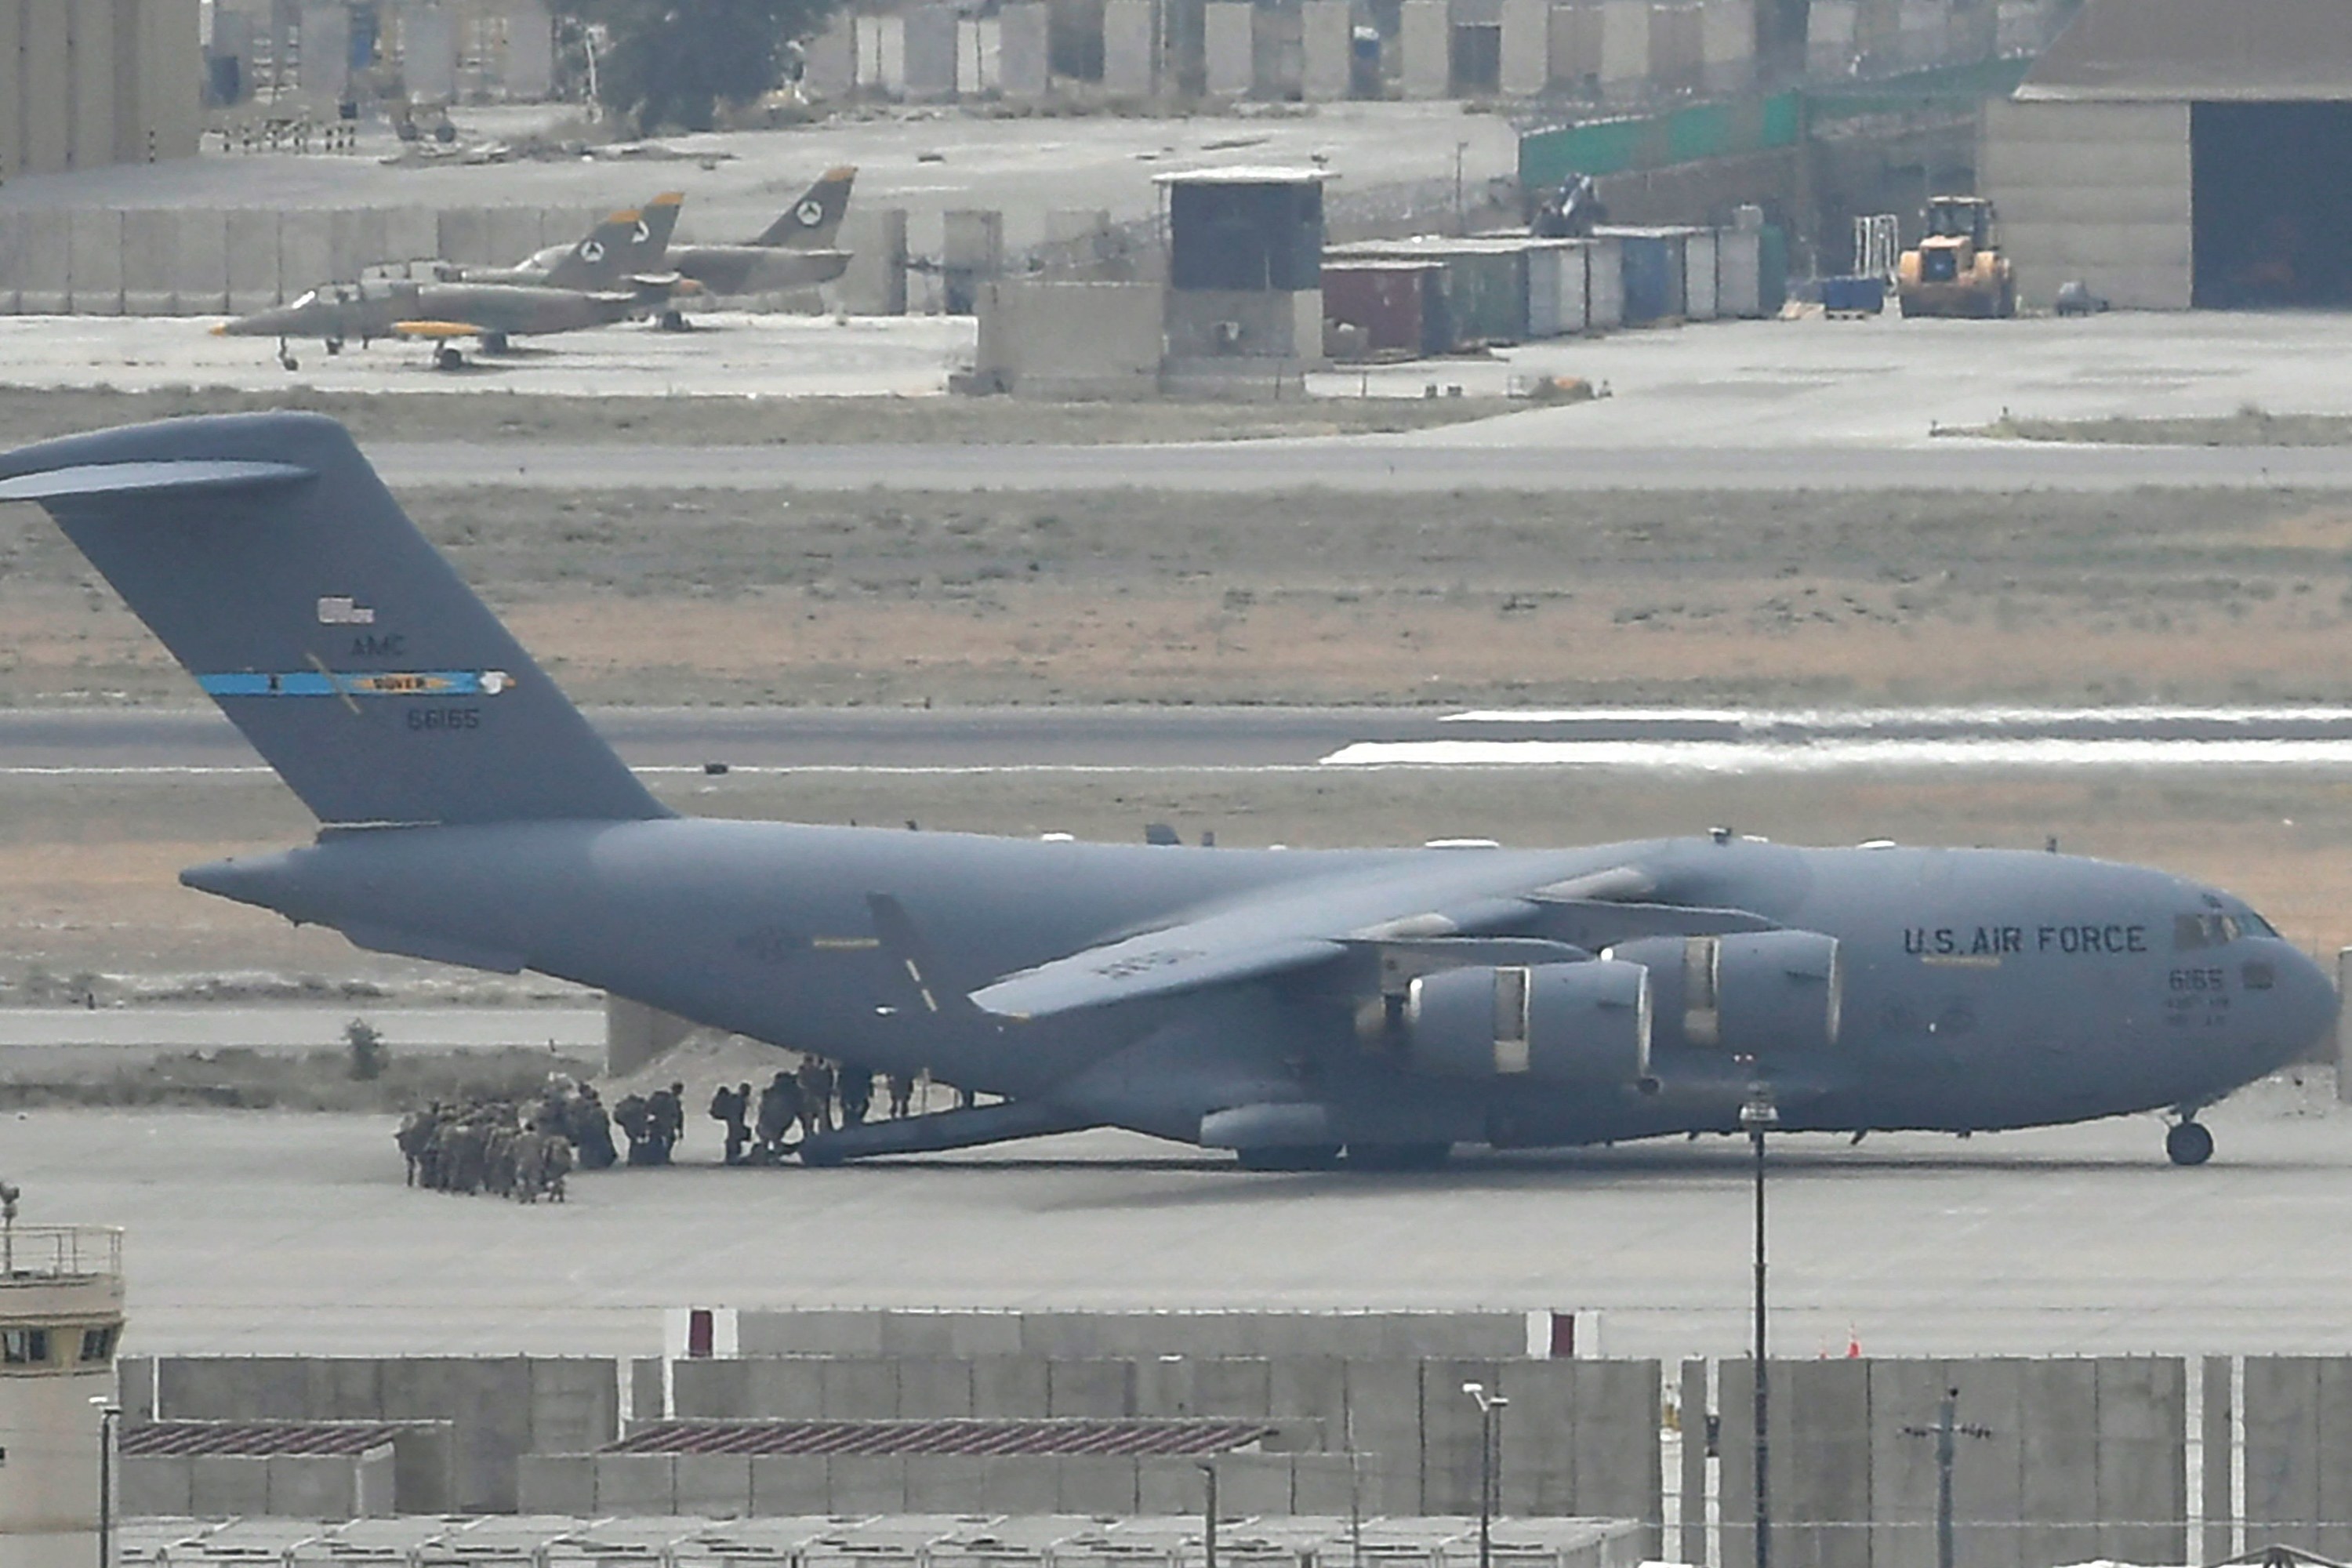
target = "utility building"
x: 85, y: 83
x: 2180, y: 153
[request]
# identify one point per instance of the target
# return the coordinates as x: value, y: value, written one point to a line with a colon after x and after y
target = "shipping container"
x: 1398, y: 304
x: 1739, y: 273
x: 1561, y: 266
x: 1700, y: 300
x: 1653, y: 271
x: 1604, y: 284
x: 1486, y: 280
x: 1543, y: 291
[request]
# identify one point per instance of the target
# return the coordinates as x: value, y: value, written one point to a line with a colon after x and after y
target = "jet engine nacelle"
x: 1585, y: 1023
x: 1749, y: 993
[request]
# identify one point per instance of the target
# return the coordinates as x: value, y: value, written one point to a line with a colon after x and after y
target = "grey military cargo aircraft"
x: 1296, y: 1007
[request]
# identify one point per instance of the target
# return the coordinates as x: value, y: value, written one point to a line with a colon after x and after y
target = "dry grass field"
x: 28, y: 415
x: 1312, y: 597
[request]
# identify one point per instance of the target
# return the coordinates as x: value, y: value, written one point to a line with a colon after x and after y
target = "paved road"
x: 1366, y: 463
x: 289, y: 1235
x: 35, y: 742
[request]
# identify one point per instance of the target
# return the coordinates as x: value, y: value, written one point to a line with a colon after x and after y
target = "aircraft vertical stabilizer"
x: 267, y: 556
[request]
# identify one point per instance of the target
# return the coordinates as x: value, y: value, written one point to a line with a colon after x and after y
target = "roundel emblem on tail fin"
x: 591, y: 251
x: 639, y: 235
x: 810, y: 212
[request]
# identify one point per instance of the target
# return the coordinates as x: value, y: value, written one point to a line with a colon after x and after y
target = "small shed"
x: 1245, y: 271
x: 1398, y: 303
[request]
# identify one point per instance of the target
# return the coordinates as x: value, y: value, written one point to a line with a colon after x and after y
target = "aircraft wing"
x: 1293, y: 930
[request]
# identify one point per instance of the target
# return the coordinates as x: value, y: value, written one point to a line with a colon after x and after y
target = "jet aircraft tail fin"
x: 631, y: 240
x: 270, y: 560
x: 812, y: 222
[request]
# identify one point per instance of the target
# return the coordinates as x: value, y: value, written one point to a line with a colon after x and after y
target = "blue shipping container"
x: 1654, y: 273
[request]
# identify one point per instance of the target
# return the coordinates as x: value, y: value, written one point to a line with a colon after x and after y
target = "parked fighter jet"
x: 795, y: 252
x: 1288, y: 1007
x: 625, y: 245
x: 607, y: 277
x: 444, y: 313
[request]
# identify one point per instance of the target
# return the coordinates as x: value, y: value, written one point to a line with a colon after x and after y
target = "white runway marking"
x: 1835, y: 756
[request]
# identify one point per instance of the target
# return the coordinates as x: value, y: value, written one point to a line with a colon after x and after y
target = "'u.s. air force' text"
x: 1992, y: 941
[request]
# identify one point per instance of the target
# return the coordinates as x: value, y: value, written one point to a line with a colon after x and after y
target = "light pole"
x: 1209, y: 1514
x: 1759, y: 1116
x: 109, y: 1414
x: 1490, y: 1406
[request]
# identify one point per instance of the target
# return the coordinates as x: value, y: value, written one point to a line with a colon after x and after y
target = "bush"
x: 370, y: 1055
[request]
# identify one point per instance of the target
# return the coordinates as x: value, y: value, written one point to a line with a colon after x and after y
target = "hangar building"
x: 88, y: 82
x: 2174, y: 153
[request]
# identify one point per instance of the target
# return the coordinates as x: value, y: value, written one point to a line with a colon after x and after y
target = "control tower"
x: 60, y: 1317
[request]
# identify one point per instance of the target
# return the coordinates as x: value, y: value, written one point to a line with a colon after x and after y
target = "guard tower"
x: 1245, y: 303
x: 60, y: 1317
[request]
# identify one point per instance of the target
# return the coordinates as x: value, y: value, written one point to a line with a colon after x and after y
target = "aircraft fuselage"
x: 1981, y: 989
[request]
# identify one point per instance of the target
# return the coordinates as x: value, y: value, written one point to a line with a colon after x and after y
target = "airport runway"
x: 292, y: 1235
x: 1366, y: 463
x: 36, y: 742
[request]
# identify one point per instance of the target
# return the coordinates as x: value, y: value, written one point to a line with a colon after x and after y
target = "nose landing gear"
x: 2189, y: 1143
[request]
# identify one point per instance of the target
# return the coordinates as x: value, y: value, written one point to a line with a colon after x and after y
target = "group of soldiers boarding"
x: 524, y: 1152
x: 816, y: 1098
x: 496, y: 1147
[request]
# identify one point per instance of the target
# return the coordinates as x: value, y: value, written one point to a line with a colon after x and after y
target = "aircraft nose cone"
x: 2305, y: 1000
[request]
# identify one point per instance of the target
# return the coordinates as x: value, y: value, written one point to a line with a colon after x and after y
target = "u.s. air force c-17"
x: 1297, y: 1008
x: 604, y: 279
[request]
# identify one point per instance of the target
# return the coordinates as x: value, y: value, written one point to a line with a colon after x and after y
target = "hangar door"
x: 2272, y: 224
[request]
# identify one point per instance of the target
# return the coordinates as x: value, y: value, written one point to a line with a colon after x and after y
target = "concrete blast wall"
x: 2084, y: 1459
x: 497, y: 1409
x: 2067, y: 1461
x: 194, y: 261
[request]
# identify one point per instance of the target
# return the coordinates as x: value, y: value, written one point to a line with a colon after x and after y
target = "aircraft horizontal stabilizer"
x: 184, y: 476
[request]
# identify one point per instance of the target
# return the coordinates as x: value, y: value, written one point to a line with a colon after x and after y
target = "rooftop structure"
x: 60, y: 1319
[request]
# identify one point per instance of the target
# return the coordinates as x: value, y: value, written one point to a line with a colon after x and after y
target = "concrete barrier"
x: 306, y: 251
x: 199, y: 272
x: 94, y: 263
x: 253, y: 282
x: 150, y: 251
x: 463, y: 235
x: 479, y: 1415
x: 355, y: 242
x: 2298, y: 1450
x: 225, y: 1487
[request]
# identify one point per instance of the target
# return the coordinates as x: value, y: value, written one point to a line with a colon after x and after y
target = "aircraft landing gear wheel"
x: 2189, y: 1143
x: 1398, y: 1156
x: 288, y: 361
x: 1291, y: 1157
x: 494, y: 343
x: 674, y: 322
x: 448, y: 358
x: 334, y: 347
